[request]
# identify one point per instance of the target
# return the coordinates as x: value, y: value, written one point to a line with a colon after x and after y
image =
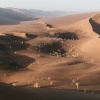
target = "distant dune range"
x: 9, y: 17
x: 41, y: 13
x: 50, y: 58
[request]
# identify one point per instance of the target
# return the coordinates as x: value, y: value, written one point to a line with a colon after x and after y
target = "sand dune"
x: 92, y: 47
x: 67, y: 19
x: 64, y: 56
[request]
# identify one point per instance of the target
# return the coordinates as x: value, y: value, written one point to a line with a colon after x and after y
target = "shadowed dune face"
x: 54, y: 48
x: 95, y: 26
x: 15, y: 93
x: 14, y: 42
x: 8, y: 58
x: 95, y: 23
x: 4, y: 48
x: 15, y: 62
x: 22, y: 61
x: 8, y: 63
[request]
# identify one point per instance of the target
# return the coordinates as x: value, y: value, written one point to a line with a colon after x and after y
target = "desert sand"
x: 49, y: 59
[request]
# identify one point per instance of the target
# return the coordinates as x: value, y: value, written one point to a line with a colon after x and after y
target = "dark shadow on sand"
x: 8, y: 58
x: 15, y: 61
x: 31, y: 36
x: 95, y: 26
x: 14, y: 43
x: 49, y: 25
